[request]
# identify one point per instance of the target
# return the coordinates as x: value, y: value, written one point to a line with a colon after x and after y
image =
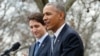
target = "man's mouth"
x: 47, y: 22
x: 35, y: 33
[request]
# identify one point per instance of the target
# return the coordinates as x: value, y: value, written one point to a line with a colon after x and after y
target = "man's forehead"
x: 48, y: 8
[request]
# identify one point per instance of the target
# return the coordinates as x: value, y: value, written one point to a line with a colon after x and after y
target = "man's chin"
x: 48, y: 28
x: 38, y: 37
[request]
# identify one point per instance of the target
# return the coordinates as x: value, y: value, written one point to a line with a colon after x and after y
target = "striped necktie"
x: 53, y: 42
x: 36, y: 48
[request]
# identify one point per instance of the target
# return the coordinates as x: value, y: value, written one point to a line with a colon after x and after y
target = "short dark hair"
x: 36, y: 16
x: 59, y: 6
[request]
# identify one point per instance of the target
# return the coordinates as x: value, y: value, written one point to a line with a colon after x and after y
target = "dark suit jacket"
x: 68, y: 43
x: 44, y: 49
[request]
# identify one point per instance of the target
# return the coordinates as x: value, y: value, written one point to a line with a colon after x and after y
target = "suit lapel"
x: 42, y: 45
x: 32, y: 49
x: 61, y: 35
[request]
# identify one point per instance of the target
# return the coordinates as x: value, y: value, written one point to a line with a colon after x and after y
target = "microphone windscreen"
x: 15, y: 46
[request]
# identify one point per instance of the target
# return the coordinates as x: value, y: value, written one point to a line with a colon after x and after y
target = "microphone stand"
x: 5, y: 54
x: 13, y: 48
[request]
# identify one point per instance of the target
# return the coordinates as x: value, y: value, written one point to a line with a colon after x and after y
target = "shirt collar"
x: 42, y: 38
x: 59, y: 30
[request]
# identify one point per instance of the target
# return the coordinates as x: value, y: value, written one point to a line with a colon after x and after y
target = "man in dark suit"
x: 42, y: 45
x: 67, y: 42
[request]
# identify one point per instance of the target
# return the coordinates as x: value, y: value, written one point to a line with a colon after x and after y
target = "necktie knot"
x: 37, y: 43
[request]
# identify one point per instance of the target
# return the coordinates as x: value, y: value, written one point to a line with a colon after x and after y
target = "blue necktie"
x: 36, y: 48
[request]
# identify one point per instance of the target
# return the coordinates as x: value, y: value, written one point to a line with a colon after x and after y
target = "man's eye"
x: 31, y: 26
x: 36, y: 26
x: 48, y: 13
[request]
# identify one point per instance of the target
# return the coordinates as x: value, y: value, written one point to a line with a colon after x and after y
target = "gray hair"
x: 59, y: 6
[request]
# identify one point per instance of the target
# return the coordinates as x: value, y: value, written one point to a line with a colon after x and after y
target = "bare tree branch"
x: 40, y: 4
x: 68, y: 4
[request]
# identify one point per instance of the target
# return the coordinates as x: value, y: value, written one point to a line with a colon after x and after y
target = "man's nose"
x: 33, y: 30
x: 45, y: 18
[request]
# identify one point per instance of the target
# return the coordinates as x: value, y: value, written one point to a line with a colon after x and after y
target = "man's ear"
x: 61, y: 15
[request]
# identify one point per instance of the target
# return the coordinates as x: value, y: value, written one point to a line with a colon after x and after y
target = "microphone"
x: 13, y: 48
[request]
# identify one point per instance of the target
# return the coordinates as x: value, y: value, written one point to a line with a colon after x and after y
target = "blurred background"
x: 82, y: 15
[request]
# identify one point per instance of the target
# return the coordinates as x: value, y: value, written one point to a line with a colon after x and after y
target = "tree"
x: 13, y: 24
x: 82, y: 15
